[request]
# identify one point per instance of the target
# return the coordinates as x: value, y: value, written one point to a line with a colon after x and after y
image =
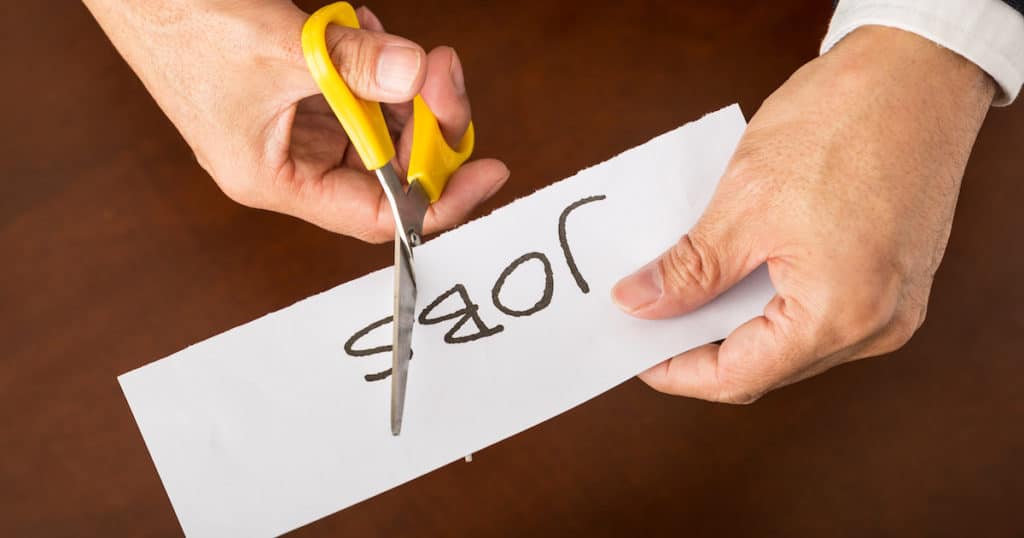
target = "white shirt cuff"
x: 987, y: 32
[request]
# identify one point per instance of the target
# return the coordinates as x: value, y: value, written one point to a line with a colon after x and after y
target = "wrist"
x: 889, y: 58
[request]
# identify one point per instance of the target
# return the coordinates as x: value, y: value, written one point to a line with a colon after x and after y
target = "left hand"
x: 844, y: 183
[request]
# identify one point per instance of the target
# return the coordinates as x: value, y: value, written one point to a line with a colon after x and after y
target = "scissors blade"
x: 408, y: 209
x: 405, y: 313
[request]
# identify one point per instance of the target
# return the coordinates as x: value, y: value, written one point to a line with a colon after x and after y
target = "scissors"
x: 431, y: 163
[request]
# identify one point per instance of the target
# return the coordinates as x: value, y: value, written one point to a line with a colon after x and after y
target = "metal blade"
x: 408, y: 208
x: 405, y: 316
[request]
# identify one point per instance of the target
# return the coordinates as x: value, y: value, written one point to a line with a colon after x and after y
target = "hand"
x: 232, y: 78
x: 844, y: 183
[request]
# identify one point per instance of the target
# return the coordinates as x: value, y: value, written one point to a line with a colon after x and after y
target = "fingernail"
x: 397, y: 68
x: 458, y: 78
x: 639, y: 290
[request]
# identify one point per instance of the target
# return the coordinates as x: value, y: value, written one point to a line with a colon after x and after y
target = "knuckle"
x: 901, y: 336
x: 377, y: 237
x: 861, y: 312
x: 378, y: 232
x: 245, y: 185
x: 901, y: 330
x: 865, y: 319
x: 203, y: 160
x: 690, y: 264
x: 240, y: 192
x: 922, y: 314
x: 905, y: 326
x: 354, y: 53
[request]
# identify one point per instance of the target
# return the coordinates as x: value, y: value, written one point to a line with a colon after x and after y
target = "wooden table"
x: 119, y: 250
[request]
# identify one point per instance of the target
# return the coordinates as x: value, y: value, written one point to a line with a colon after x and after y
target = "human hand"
x: 844, y: 183
x: 232, y: 78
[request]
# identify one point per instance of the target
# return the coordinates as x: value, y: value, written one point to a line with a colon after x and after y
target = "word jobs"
x: 469, y: 311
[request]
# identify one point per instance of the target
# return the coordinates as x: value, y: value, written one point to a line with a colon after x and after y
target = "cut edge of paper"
x: 498, y: 210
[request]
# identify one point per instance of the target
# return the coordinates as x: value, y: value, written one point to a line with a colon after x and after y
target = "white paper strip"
x: 273, y: 424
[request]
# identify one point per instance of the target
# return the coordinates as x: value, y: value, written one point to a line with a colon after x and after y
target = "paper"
x: 275, y: 424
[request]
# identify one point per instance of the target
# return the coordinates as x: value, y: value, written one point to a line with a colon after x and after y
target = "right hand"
x: 844, y: 184
x: 233, y: 80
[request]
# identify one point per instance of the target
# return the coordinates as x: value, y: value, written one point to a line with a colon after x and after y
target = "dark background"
x: 119, y: 250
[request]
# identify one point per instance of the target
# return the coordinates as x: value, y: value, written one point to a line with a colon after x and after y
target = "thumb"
x: 715, y: 255
x: 377, y: 66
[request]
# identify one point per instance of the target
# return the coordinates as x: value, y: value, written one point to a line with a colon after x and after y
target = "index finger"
x: 444, y: 91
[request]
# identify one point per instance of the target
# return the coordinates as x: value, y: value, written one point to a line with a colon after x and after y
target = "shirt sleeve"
x: 989, y: 33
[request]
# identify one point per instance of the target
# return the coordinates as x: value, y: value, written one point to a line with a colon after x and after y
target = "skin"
x: 231, y: 77
x: 844, y: 183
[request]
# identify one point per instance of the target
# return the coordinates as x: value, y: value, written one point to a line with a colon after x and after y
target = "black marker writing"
x: 379, y: 376
x: 468, y: 312
x: 545, y: 298
x: 352, y: 351
x: 564, y: 240
x: 350, y: 344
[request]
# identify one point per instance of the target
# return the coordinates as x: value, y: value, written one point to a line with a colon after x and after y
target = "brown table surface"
x: 119, y: 250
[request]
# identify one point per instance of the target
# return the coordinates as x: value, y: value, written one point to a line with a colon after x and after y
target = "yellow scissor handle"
x: 432, y: 161
x: 362, y: 120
